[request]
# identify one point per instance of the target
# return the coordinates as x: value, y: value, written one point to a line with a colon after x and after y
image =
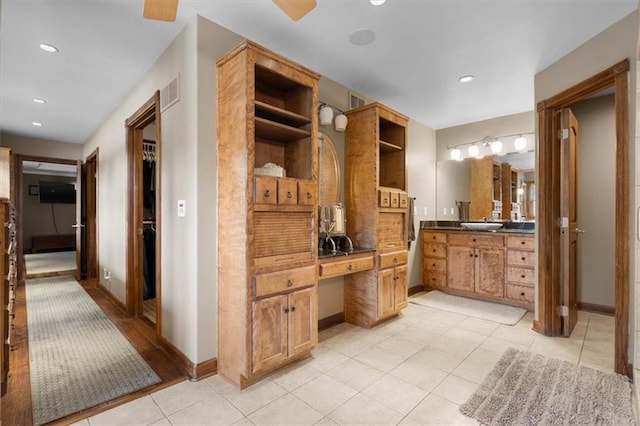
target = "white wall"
x: 596, y: 198
x: 614, y: 44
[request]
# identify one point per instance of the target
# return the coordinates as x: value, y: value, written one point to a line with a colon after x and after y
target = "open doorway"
x: 143, y: 248
x: 553, y: 309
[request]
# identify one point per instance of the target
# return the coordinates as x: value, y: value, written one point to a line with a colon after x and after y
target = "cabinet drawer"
x: 521, y: 275
x: 265, y: 190
x: 383, y: 198
x: 520, y: 242
x: 287, y: 192
x: 344, y: 267
x: 389, y: 260
x: 476, y: 240
x: 434, y: 250
x: 437, y: 265
x: 436, y: 237
x: 521, y: 258
x: 520, y: 293
x: 434, y: 279
x: 404, y: 200
x: 280, y: 281
x: 394, y: 199
x: 307, y: 193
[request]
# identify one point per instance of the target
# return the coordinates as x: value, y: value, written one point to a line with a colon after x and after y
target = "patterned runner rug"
x: 77, y: 357
x: 530, y: 389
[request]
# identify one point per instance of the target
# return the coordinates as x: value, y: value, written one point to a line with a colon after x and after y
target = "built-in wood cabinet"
x: 376, y: 207
x: 510, y: 202
x: 8, y: 267
x: 267, y: 214
x: 492, y: 266
x: 486, y: 189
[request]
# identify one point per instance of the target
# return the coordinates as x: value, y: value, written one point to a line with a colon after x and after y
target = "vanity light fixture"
x: 456, y: 154
x: 496, y: 147
x: 48, y: 48
x: 520, y: 143
x: 473, y: 150
x: 466, y: 78
x: 325, y: 112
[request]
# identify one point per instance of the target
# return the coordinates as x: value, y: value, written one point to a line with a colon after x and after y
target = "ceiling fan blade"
x: 160, y: 10
x: 296, y: 9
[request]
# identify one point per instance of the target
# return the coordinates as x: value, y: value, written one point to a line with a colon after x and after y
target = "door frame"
x: 146, y: 114
x: 91, y: 216
x: 19, y: 202
x: 548, y: 177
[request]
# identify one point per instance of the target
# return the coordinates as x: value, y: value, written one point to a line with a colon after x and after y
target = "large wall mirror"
x: 453, y: 184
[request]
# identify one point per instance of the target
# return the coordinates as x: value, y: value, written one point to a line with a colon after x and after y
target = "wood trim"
x: 548, y: 322
x: 415, y: 290
x: 206, y: 369
x: 112, y: 298
x: 91, y: 216
x: 593, y: 307
x: 194, y: 371
x: 330, y: 321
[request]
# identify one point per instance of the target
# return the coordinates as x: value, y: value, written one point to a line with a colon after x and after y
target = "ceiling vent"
x: 170, y: 94
x: 355, y: 101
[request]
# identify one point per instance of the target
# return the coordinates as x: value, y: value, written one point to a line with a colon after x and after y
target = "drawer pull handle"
x: 433, y: 264
x: 289, y: 283
x: 523, y: 242
x: 434, y: 237
x: 434, y: 250
x: 471, y: 255
x: 289, y: 194
x: 350, y: 267
x: 475, y: 255
x: 524, y: 258
x: 522, y: 276
x: 309, y: 195
x: 286, y: 310
x: 522, y: 293
x: 395, y: 260
x: 293, y: 309
x: 267, y: 193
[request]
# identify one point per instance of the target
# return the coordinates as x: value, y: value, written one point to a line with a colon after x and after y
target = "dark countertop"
x: 325, y: 254
x: 507, y: 228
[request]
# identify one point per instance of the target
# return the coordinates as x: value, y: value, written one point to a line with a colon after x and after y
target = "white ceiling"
x: 421, y: 49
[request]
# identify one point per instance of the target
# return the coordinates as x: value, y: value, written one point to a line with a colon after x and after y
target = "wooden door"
x: 401, y: 288
x: 269, y: 332
x: 461, y: 274
x: 303, y: 320
x: 490, y: 272
x: 79, y: 225
x: 569, y: 214
x: 385, y: 293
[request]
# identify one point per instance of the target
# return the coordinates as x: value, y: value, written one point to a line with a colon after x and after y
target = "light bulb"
x: 340, y: 122
x: 496, y: 147
x: 326, y: 115
x: 377, y: 2
x: 473, y: 150
x: 520, y: 143
x: 455, y: 154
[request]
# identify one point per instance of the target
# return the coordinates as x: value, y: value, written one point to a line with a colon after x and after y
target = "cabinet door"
x: 401, y: 288
x: 461, y: 274
x: 269, y: 332
x: 490, y: 277
x: 386, y: 291
x: 303, y: 321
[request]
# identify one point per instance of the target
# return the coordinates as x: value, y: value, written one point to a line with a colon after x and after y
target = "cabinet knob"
x: 309, y: 195
x: 522, y: 276
x: 267, y: 193
x: 434, y: 237
x: 289, y: 283
x: 522, y: 293
x: 434, y: 250
x: 475, y: 255
x: 522, y: 242
x: 474, y: 240
x: 395, y: 260
x: 471, y: 255
x: 524, y: 258
x: 350, y: 267
x: 433, y: 264
x: 286, y: 310
x: 293, y: 309
x: 289, y: 195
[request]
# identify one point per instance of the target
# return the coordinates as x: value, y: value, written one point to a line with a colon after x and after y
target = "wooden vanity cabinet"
x: 477, y: 263
x: 434, y: 259
x: 376, y: 202
x: 267, y: 277
x: 521, y: 272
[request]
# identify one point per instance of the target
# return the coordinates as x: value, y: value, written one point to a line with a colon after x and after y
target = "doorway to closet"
x: 143, y: 248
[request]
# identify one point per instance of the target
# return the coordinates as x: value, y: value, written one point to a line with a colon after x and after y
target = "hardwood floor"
x: 17, y: 404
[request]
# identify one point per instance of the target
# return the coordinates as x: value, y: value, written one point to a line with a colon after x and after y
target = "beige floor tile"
x: 243, y: 422
x: 182, y: 395
x: 455, y: 389
x: 83, y: 422
x: 428, y: 324
x: 479, y: 326
x: 422, y: 336
x: 389, y: 354
x: 458, y: 342
x: 558, y: 347
x: 418, y: 374
x: 392, y: 327
x: 324, y: 358
x: 496, y: 344
x: 403, y: 398
x: 353, y: 342
x: 326, y: 421
x: 355, y: 374
x: 287, y: 410
x: 142, y: 411
x: 435, y: 410
x: 437, y: 359
x: 362, y: 410
x: 520, y: 334
x: 295, y: 376
x: 162, y: 422
x: 449, y: 318
x: 255, y: 396
x: 324, y: 394
x: 473, y: 371
x: 213, y: 410
x: 218, y: 383
x: 486, y: 356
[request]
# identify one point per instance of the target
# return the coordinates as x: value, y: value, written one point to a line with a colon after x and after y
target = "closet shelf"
x: 273, y: 113
x: 271, y: 130
x: 386, y: 147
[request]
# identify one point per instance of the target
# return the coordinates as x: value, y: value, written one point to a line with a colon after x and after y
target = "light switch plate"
x: 182, y: 208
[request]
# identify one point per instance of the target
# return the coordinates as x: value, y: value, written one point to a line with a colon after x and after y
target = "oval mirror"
x: 328, y: 171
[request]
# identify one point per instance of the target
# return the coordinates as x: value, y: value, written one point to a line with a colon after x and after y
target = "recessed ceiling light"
x: 377, y: 2
x: 35, y: 123
x: 48, y: 48
x: 362, y: 37
x: 39, y: 101
x: 465, y: 78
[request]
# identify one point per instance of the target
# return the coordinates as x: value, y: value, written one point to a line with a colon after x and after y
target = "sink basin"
x: 481, y: 226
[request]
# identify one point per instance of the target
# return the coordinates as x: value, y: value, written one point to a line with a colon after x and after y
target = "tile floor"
x: 416, y: 369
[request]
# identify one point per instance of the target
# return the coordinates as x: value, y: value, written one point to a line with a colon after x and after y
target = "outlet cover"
x: 182, y: 208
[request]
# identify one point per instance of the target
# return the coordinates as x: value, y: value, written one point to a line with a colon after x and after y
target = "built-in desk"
x: 334, y: 264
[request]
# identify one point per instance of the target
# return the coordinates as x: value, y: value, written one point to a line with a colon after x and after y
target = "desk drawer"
x: 396, y: 258
x: 291, y: 279
x: 344, y: 267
